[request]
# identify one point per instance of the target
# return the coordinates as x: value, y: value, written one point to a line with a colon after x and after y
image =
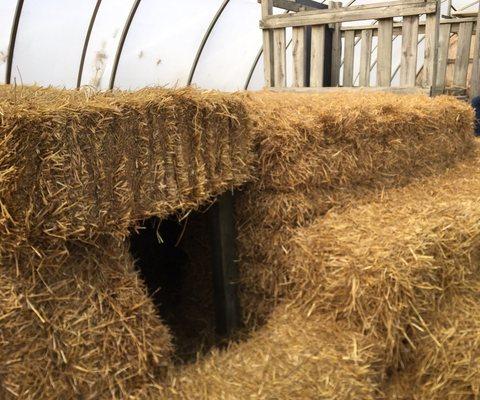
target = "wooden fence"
x: 413, y: 29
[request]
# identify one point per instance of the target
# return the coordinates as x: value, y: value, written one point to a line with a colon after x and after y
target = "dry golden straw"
x: 357, y: 233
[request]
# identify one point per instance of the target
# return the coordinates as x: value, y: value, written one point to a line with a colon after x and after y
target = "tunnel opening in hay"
x: 174, y: 258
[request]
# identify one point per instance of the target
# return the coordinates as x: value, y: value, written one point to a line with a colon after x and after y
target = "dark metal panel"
x: 13, y: 38
x: 204, y: 40
x: 122, y: 42
x: 298, y: 5
x: 87, y: 40
x: 225, y: 272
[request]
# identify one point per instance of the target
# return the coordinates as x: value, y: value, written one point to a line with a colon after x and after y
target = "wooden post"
x: 431, y: 47
x: 349, y: 58
x: 267, y: 9
x: 299, y: 55
x: 336, y: 47
x: 225, y: 273
x: 384, y: 52
x: 279, y: 57
x: 408, y: 65
x: 365, y: 57
x: 443, y: 46
x: 317, y: 56
x: 462, y: 58
x: 475, y: 80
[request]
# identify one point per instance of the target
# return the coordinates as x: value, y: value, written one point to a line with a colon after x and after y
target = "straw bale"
x: 291, y: 357
x: 447, y: 360
x: 347, y: 139
x: 316, y: 153
x: 77, y: 165
x: 81, y: 329
x: 385, y: 265
x: 78, y: 170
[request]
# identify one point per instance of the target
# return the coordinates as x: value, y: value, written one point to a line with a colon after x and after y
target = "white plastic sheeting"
x: 103, y: 44
x: 160, y: 46
x: 49, y: 41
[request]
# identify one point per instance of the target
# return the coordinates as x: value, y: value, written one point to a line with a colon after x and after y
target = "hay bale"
x: 385, y: 266
x: 78, y: 170
x: 84, y: 328
x: 324, y: 152
x: 347, y: 139
x: 291, y: 357
x: 447, y: 361
x: 75, y: 165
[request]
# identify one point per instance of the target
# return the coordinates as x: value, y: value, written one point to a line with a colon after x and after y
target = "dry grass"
x: 389, y: 276
x: 315, y: 153
x: 83, y: 328
x: 291, y: 357
x: 345, y: 140
x: 78, y: 165
x: 386, y: 266
x: 446, y: 359
x: 77, y: 171
x: 342, y: 297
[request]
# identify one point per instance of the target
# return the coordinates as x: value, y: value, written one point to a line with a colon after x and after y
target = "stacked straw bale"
x: 292, y: 357
x: 76, y: 165
x: 84, y: 328
x: 396, y: 279
x: 324, y: 151
x: 446, y: 362
x: 78, y: 170
x: 388, y: 265
x: 345, y: 298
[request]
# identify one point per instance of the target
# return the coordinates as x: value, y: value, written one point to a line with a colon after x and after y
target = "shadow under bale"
x: 174, y: 258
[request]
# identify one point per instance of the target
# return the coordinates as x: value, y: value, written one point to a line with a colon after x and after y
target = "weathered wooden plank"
x: 306, y: 18
x: 408, y: 63
x: 397, y: 26
x: 267, y: 9
x: 317, y: 60
x: 336, y: 47
x: 365, y: 57
x: 299, y: 57
x: 475, y: 80
x: 384, y: 52
x: 348, y: 59
x: 399, y: 90
x: 463, y: 54
x: 443, y: 45
x: 279, y: 57
x: 370, y: 6
x: 464, y: 14
x: 432, y: 27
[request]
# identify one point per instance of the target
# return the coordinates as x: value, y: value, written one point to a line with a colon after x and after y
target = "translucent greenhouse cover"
x: 130, y: 44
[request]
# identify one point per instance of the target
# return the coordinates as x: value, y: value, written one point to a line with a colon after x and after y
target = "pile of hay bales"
x: 353, y: 243
x: 77, y: 171
x: 393, y: 281
x: 324, y: 151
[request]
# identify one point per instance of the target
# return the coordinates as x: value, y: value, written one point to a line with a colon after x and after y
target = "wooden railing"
x: 413, y: 30
x: 464, y: 29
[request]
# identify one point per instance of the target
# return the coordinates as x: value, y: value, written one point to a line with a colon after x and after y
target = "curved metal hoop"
x: 85, y: 44
x: 205, y: 39
x: 122, y: 42
x: 13, y: 38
